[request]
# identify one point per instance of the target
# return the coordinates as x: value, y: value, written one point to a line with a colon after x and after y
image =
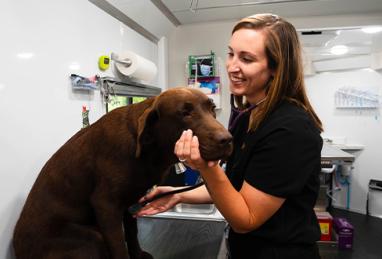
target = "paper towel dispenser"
x: 131, y: 65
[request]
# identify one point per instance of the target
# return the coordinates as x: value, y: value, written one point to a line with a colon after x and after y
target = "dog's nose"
x: 224, y: 138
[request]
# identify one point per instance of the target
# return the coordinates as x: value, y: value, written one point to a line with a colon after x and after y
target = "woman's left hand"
x: 187, y: 150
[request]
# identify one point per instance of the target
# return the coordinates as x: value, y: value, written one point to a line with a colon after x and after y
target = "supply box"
x: 201, y: 66
x: 326, y: 222
x: 344, y: 231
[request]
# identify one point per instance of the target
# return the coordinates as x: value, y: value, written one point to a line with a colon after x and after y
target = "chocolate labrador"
x: 77, y: 208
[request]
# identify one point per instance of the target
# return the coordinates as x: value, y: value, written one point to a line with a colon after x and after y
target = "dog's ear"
x: 145, y: 123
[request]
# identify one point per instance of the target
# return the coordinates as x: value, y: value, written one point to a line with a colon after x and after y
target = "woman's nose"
x: 232, y: 65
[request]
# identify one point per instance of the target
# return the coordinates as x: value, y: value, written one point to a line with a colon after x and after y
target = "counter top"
x: 330, y: 152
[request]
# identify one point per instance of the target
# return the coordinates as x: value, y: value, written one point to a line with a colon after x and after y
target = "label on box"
x: 325, y: 228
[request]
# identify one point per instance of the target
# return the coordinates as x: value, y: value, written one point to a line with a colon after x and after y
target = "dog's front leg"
x: 131, y: 235
x: 109, y: 217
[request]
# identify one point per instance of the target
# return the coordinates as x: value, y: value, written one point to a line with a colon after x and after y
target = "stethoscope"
x: 236, y: 113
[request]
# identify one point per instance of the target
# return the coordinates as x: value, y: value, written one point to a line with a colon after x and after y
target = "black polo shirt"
x: 281, y: 158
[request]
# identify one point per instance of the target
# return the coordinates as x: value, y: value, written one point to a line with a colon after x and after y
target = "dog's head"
x: 179, y: 109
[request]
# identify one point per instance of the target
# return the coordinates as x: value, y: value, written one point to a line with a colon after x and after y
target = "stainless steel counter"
x: 204, y: 212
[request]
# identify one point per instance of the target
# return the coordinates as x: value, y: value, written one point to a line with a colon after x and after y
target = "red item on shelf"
x: 326, y: 224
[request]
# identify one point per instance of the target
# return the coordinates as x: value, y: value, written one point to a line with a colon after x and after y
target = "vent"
x: 311, y: 32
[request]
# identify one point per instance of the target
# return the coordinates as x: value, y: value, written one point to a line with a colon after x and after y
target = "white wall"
x: 359, y: 127
x: 38, y: 109
x: 199, y: 39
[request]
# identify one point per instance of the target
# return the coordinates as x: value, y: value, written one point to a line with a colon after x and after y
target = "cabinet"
x: 178, y: 238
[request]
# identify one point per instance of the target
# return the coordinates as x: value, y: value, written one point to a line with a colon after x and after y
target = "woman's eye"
x: 247, y: 59
x: 230, y: 54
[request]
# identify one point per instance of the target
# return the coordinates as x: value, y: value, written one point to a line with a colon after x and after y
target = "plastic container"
x: 345, y: 233
x: 326, y: 224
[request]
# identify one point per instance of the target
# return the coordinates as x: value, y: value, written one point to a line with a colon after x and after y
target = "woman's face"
x: 247, y: 64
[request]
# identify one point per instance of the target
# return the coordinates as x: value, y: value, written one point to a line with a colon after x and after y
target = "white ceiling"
x: 194, y: 11
x: 361, y: 46
x: 358, y: 42
x: 317, y: 46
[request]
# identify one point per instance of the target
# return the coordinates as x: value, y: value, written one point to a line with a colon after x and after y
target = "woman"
x: 271, y: 182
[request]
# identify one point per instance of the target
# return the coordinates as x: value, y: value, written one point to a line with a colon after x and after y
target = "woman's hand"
x: 187, y: 150
x: 160, y: 205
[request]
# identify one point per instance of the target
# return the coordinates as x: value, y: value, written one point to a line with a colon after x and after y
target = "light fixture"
x: 25, y: 55
x: 372, y: 29
x: 339, y: 50
x: 194, y: 7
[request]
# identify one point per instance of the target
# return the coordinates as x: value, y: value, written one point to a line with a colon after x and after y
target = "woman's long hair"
x: 283, y: 51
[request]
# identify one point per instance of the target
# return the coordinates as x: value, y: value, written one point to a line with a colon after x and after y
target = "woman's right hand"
x: 160, y: 205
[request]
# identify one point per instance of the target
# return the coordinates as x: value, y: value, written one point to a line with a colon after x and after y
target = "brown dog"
x: 77, y: 207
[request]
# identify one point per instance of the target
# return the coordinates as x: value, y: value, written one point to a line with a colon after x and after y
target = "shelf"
x: 349, y: 147
x: 352, y: 98
x: 331, y: 152
x: 127, y: 88
x: 357, y: 107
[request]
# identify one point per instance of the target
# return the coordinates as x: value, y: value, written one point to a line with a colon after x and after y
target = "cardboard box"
x: 345, y: 232
x: 326, y: 221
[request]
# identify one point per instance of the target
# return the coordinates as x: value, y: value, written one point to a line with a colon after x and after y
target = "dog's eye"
x: 212, y: 106
x: 211, y: 103
x: 187, y: 109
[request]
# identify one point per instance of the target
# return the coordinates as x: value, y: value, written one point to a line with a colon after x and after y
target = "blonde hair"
x: 283, y: 51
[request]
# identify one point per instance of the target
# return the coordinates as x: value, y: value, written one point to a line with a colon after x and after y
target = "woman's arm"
x: 245, y: 210
x: 197, y: 195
